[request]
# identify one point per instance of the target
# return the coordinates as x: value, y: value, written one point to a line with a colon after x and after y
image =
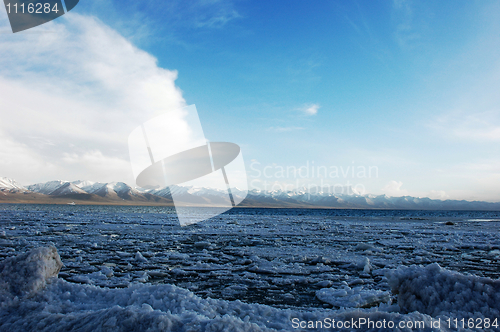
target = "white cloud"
x: 311, y: 109
x: 393, y: 188
x: 83, y: 89
x: 18, y: 161
x: 438, y: 194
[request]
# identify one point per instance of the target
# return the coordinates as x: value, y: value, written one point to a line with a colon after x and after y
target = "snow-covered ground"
x: 134, y: 268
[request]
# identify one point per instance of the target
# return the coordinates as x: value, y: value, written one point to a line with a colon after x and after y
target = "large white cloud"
x: 69, y: 97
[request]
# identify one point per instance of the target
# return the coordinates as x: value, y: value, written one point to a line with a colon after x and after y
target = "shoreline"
x: 298, y: 207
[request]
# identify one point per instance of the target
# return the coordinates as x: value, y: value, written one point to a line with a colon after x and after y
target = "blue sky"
x: 408, y: 87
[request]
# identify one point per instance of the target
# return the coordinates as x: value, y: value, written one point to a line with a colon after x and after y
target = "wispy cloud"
x: 481, y: 126
x: 406, y: 33
x: 310, y: 109
x: 284, y: 129
x: 214, y: 13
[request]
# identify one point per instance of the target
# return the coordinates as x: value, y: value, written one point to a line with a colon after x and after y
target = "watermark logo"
x: 26, y: 14
x: 171, y: 150
x: 311, y: 178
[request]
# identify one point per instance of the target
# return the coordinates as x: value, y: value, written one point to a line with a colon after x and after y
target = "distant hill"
x: 119, y: 193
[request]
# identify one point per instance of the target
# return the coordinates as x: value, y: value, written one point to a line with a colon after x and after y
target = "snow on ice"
x: 34, y: 299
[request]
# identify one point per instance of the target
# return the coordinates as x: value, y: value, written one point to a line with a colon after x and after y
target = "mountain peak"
x: 10, y: 184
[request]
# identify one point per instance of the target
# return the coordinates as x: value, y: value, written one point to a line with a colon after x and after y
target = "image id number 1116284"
x: 31, y: 8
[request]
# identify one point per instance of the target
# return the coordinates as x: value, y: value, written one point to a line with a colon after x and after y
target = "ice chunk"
x: 435, y: 291
x: 353, y: 297
x: 177, y: 255
x: 202, y: 244
x: 364, y: 265
x: 25, y: 274
x: 157, y: 274
x: 107, y: 271
x: 140, y: 258
x: 123, y: 254
x: 367, y: 247
x: 324, y: 283
x: 142, y: 277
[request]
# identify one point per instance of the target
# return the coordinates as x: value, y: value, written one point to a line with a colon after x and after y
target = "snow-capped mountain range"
x: 10, y: 184
x: 119, y: 192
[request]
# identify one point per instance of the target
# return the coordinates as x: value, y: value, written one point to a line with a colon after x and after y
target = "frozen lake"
x: 277, y: 257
